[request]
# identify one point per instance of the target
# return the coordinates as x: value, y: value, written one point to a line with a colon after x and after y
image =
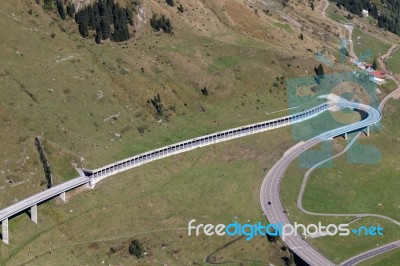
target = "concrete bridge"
x: 32, y: 202
x: 92, y: 177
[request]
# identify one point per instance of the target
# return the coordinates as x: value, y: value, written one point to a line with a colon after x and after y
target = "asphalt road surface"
x: 269, y: 194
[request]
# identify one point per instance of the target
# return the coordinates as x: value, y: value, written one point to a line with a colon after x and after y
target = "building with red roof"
x: 379, y: 74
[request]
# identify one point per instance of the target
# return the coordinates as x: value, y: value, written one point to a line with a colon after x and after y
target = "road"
x: 371, y: 253
x: 377, y: 251
x: 269, y: 194
x: 307, y: 174
x: 270, y: 187
x: 374, y: 252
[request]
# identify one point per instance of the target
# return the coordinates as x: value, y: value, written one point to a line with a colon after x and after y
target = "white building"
x: 377, y: 80
x: 365, y: 13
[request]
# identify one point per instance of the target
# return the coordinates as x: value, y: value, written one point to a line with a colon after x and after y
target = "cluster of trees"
x: 172, y: 3
x: 101, y: 17
x: 356, y: 6
x: 386, y: 15
x: 161, y: 23
x: 49, y: 5
x: 106, y: 17
x: 43, y: 159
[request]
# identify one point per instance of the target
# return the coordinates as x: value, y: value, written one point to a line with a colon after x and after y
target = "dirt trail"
x: 382, y: 60
x: 323, y: 6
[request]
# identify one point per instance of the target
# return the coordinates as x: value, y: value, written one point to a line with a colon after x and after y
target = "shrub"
x: 136, y: 249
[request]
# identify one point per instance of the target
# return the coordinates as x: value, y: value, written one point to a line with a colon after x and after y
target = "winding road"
x: 318, y: 259
x: 269, y: 194
x: 270, y: 186
x: 307, y: 174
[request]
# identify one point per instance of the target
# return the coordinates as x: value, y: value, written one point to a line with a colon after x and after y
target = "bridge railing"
x: 129, y: 163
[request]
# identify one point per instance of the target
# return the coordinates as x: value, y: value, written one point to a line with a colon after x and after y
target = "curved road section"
x: 269, y: 194
x: 371, y: 253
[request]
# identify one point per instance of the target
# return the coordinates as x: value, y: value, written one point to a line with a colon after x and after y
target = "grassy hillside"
x: 91, y: 105
x: 90, y: 102
x: 154, y: 203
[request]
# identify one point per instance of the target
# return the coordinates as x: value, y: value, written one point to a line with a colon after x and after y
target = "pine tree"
x: 97, y: 17
x: 91, y: 17
x: 84, y: 30
x: 180, y: 8
x: 154, y: 23
x: 121, y: 32
x: 170, y: 2
x: 168, y: 27
x: 71, y: 10
x: 136, y: 249
x: 156, y: 102
x: 375, y: 65
x: 319, y: 71
x: 61, y: 9
x: 105, y: 26
x: 129, y: 16
x: 102, y: 7
x: 99, y: 36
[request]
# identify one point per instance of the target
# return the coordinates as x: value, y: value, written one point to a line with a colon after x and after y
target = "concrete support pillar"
x: 92, y: 182
x: 368, y: 131
x: 4, y: 231
x: 63, y: 197
x: 345, y: 136
x: 34, y: 214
